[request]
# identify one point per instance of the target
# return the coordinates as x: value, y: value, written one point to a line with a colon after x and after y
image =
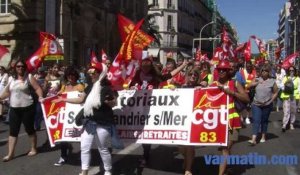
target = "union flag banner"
x: 103, y: 56
x: 179, y: 117
x: 5, y: 56
x: 261, y: 45
x: 127, y: 49
x: 247, y: 51
x: 209, y: 118
x: 35, y: 60
x: 49, y: 46
x: 290, y: 60
x: 60, y: 119
x: 141, y: 40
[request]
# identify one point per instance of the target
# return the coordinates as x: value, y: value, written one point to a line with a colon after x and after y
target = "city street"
x: 164, y: 159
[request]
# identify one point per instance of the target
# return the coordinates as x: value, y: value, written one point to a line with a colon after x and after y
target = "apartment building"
x: 80, y: 25
x: 185, y: 25
x: 294, y: 22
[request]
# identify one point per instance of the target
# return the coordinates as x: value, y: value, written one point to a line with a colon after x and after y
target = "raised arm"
x: 178, y: 69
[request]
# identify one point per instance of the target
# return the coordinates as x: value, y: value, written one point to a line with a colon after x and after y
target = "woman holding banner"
x: 99, y: 99
x: 235, y: 91
x: 149, y: 77
x: 22, y: 107
x: 70, y: 78
x: 188, y: 152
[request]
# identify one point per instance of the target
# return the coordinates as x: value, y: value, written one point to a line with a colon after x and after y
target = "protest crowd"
x: 254, y: 89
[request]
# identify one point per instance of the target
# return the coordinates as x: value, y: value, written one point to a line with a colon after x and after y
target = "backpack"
x: 289, y: 87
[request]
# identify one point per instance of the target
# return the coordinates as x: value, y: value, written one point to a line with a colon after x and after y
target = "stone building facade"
x: 80, y: 25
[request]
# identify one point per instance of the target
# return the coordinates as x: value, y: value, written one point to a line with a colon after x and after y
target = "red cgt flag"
x: 35, y: 60
x: 5, y: 56
x: 103, y: 56
x: 127, y: 49
x: 141, y: 40
x: 49, y: 46
x: 247, y: 51
x: 290, y: 60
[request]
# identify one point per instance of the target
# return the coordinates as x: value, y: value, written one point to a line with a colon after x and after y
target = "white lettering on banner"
x: 164, y: 116
x: 53, y: 120
x: 210, y: 121
x: 153, y: 134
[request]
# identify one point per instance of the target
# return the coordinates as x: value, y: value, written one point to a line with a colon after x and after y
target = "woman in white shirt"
x: 21, y: 107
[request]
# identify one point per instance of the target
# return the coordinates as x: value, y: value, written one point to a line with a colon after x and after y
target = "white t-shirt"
x: 19, y: 93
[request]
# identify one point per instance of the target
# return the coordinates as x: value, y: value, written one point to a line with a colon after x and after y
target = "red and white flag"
x: 94, y: 59
x: 198, y: 54
x: 5, y: 56
x: 247, y: 51
x: 49, y: 46
x: 227, y: 48
x: 218, y: 55
x: 290, y: 60
x: 260, y: 44
x: 116, y: 72
x: 103, y: 56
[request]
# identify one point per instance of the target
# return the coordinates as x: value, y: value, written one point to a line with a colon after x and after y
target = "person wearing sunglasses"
x: 266, y: 91
x: 235, y: 91
x: 98, y: 98
x: 188, y: 151
x: 149, y: 77
x: 69, y: 84
x: 22, y: 108
x: 290, y: 90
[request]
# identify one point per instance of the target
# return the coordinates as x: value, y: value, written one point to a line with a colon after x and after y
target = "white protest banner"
x: 164, y: 116
x: 60, y: 119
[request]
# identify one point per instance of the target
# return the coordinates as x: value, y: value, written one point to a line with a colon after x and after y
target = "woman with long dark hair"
x: 22, y: 107
x: 70, y: 84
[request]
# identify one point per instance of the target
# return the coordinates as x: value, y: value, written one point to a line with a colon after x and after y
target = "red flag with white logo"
x: 247, y: 51
x: 103, y: 56
x: 198, y: 54
x: 5, y: 56
x: 49, y: 46
x: 290, y: 60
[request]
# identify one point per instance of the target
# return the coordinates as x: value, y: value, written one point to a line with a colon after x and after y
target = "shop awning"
x: 153, y: 51
x: 185, y: 55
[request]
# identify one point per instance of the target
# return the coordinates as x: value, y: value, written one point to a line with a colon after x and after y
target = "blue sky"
x: 252, y: 17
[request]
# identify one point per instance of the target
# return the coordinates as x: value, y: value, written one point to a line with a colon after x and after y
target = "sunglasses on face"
x: 265, y: 70
x: 193, y: 74
x: 20, y: 66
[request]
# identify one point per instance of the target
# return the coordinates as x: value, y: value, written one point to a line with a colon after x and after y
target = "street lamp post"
x: 200, y: 34
x: 295, y: 33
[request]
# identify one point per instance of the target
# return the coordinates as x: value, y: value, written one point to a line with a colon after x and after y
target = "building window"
x: 169, y: 4
x: 4, y: 6
x: 155, y: 2
x: 170, y: 23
